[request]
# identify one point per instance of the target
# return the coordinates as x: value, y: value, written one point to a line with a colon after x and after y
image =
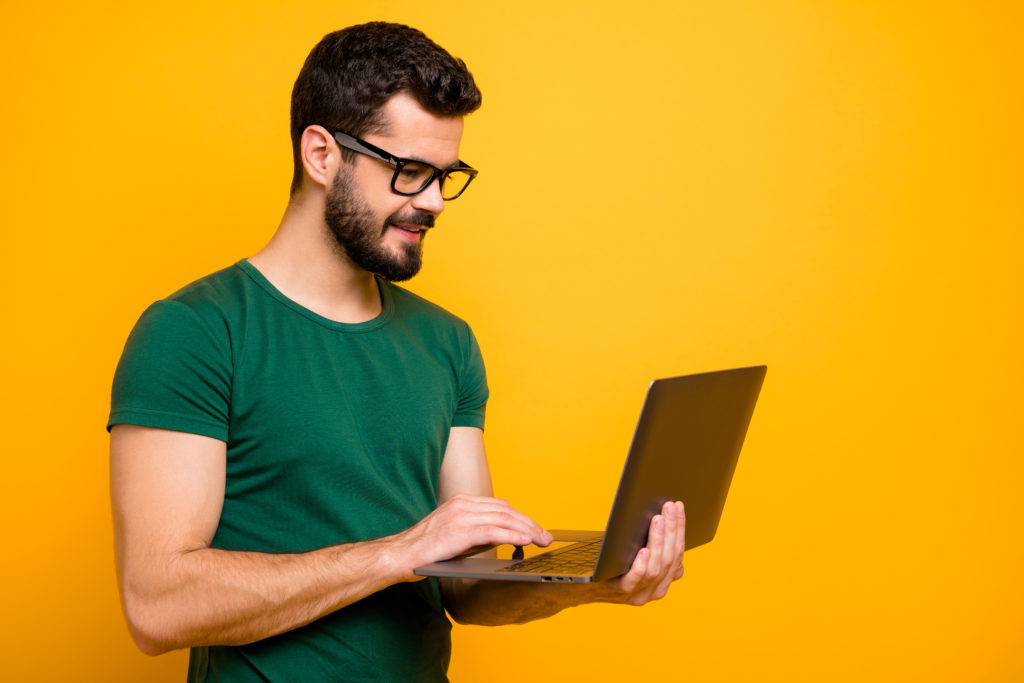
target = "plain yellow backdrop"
x: 829, y: 187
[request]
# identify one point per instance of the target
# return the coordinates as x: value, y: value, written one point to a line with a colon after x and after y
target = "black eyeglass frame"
x: 363, y: 147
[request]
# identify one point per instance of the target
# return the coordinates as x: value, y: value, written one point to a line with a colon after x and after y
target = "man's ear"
x: 320, y: 155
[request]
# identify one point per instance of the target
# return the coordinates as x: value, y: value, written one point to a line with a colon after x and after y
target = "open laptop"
x: 685, y: 448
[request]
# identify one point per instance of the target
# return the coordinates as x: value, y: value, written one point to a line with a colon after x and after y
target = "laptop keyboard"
x: 574, y: 560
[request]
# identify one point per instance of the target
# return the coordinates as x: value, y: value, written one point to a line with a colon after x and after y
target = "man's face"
x: 380, y: 231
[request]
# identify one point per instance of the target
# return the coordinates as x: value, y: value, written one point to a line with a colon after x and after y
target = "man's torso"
x: 335, y: 433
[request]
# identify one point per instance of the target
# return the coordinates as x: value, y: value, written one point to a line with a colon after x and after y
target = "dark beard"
x: 352, y: 224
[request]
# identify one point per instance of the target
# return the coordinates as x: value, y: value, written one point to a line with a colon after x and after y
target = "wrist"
x: 397, y: 558
x: 604, y: 591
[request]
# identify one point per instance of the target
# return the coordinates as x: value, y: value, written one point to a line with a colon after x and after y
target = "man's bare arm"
x: 167, y: 491
x: 504, y: 602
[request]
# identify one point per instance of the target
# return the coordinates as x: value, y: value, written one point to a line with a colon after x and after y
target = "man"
x: 293, y: 435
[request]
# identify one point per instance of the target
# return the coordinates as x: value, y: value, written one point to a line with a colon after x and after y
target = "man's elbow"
x: 459, y: 616
x: 147, y: 645
x: 150, y: 628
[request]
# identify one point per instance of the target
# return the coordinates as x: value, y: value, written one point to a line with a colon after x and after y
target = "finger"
x: 536, y: 533
x: 636, y: 573
x: 676, y: 567
x: 668, y: 551
x: 681, y: 540
x: 669, y: 558
x: 495, y: 528
x: 490, y: 524
x: 461, y: 539
x: 674, y: 574
x: 675, y: 512
x: 490, y: 536
x: 681, y: 548
x: 517, y: 520
x: 656, y: 547
x: 463, y: 504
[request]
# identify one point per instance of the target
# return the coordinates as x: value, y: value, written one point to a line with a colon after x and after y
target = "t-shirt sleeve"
x: 473, y: 392
x: 175, y: 373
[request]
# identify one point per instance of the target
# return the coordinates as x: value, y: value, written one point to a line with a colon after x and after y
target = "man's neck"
x: 305, y: 264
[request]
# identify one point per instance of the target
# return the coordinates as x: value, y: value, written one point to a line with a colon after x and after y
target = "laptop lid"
x: 685, y: 447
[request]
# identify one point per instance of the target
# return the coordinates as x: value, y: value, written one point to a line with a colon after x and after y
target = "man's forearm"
x: 210, y: 596
x: 494, y: 603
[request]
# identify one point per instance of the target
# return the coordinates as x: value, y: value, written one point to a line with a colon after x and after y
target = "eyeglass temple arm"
x: 357, y: 145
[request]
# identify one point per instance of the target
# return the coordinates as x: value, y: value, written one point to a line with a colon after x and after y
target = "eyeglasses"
x: 411, y: 176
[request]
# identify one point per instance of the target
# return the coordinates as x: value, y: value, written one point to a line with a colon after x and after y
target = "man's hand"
x: 506, y: 602
x: 464, y: 471
x: 464, y: 522
x: 657, y: 565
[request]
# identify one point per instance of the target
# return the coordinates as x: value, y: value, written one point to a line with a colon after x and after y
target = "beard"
x: 356, y: 233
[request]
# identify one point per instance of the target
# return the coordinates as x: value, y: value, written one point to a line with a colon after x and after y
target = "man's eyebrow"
x: 454, y: 164
x: 418, y: 159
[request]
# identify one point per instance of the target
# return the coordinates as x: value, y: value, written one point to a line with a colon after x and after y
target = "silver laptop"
x: 685, y: 448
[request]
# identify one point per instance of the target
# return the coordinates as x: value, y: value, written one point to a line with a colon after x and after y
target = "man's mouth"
x: 407, y: 231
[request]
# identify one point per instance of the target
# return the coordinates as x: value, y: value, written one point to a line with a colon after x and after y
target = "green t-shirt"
x: 335, y: 433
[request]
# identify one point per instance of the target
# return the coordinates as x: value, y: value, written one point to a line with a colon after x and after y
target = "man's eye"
x: 414, y: 171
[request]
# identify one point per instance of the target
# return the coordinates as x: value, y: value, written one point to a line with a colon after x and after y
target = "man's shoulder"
x: 412, y: 306
x: 210, y: 304
x: 223, y: 287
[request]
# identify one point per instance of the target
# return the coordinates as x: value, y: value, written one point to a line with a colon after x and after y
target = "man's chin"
x: 394, y: 271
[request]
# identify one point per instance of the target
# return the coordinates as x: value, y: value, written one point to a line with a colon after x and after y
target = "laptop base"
x: 474, y: 567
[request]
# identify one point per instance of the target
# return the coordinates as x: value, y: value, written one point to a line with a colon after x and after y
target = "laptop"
x: 685, y: 447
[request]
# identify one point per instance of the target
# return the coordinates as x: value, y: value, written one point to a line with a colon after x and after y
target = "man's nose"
x: 430, y: 200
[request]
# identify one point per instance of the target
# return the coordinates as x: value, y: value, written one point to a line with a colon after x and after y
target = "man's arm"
x: 490, y: 603
x: 167, y: 491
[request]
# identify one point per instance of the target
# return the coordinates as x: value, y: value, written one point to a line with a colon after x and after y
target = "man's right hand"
x: 464, y: 522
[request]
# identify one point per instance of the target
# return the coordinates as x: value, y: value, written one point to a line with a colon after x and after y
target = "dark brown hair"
x: 352, y: 73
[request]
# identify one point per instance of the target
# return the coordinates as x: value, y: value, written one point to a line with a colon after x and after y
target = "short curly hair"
x: 352, y: 73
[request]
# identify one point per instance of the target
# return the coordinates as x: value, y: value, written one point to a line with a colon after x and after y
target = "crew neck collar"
x: 383, y: 287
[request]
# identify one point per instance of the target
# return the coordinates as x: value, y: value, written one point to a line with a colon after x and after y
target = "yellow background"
x: 829, y: 187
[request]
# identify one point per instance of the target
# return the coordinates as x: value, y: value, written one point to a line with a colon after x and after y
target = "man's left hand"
x: 657, y: 565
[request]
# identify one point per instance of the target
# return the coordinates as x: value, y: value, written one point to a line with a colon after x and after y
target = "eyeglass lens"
x: 413, y: 177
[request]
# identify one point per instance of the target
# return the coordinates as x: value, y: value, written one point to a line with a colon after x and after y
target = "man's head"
x: 352, y: 73
x: 376, y: 125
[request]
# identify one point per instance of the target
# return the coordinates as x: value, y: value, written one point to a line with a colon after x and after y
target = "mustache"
x: 420, y: 218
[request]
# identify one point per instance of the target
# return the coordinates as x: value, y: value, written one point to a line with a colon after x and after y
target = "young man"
x: 293, y: 435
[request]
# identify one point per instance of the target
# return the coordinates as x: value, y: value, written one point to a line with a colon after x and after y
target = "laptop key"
x: 575, y: 559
